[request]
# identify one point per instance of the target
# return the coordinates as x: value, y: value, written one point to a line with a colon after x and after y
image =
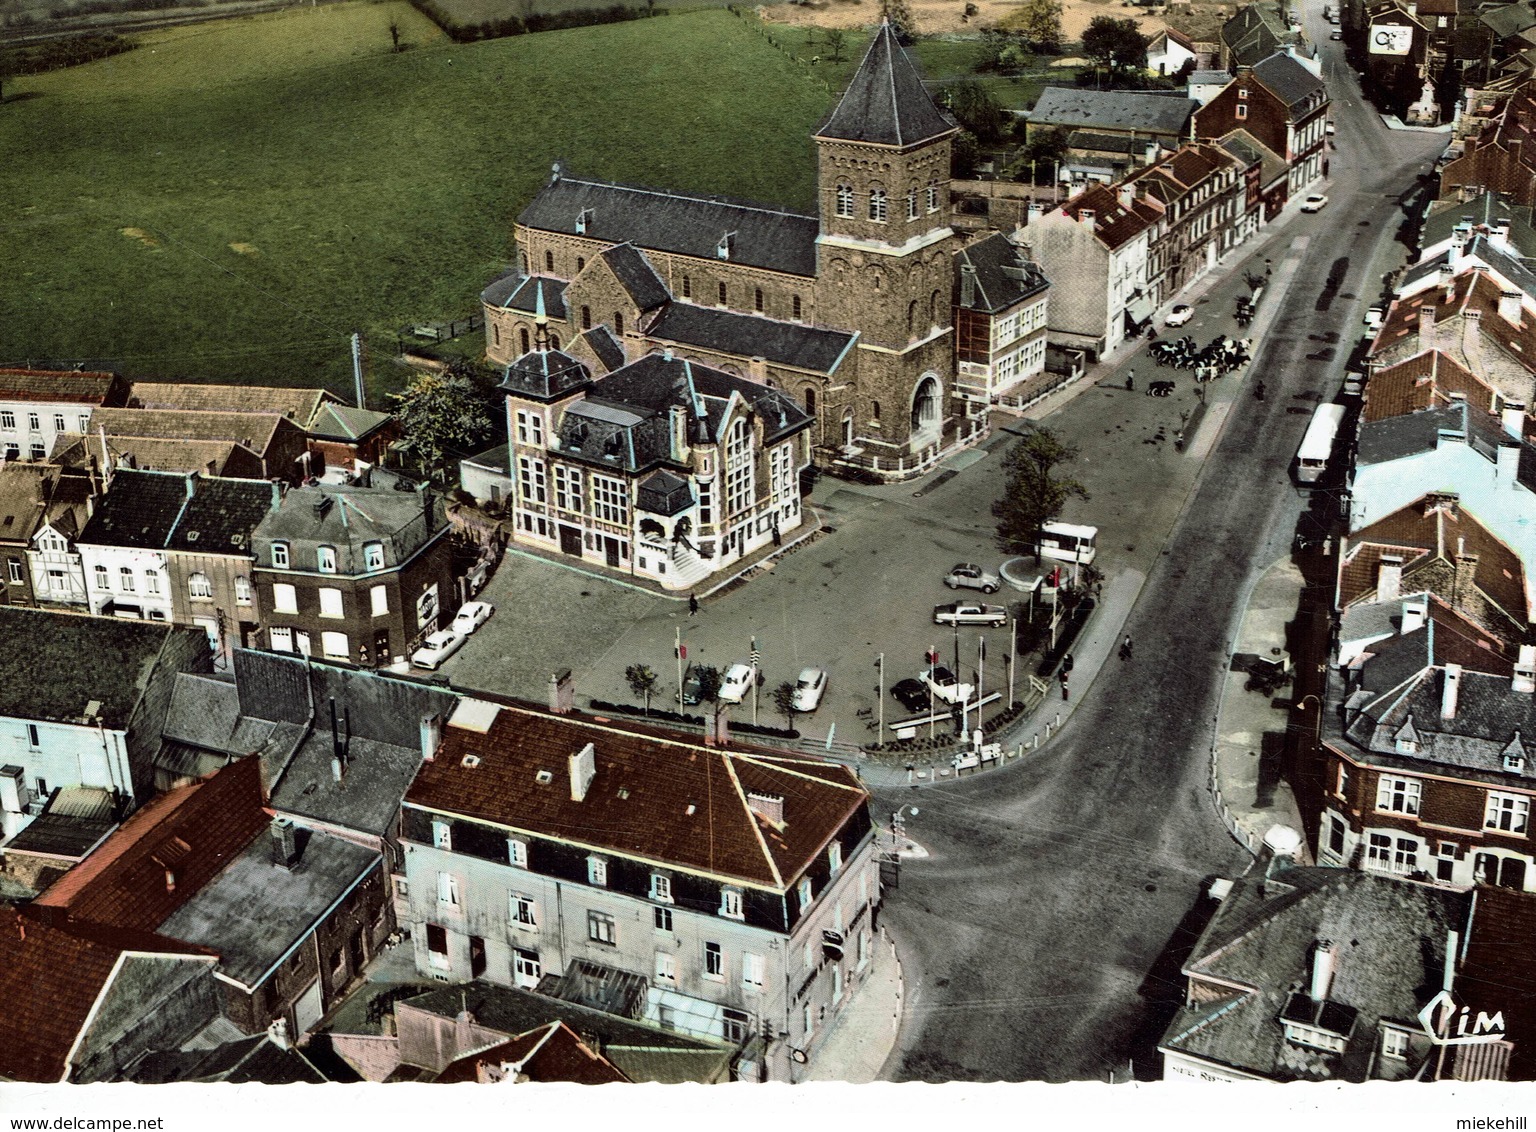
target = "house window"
x: 1336, y: 835
x: 378, y: 600
x: 752, y: 967
x: 522, y: 912
x: 13, y: 568
x: 1398, y: 795
x: 373, y: 556
x: 808, y: 1019
x: 877, y: 208
x: 1343, y: 784
x: 600, y: 928
x: 1242, y: 111
x: 85, y: 423
x: 662, y: 918
x: 517, y: 852
x: 735, y: 1025
x: 661, y: 888
x: 738, y: 468
x: 531, y: 479
x: 835, y: 857
x: 58, y: 422
x: 597, y: 871
x: 330, y: 602
x: 285, y: 599
x: 335, y: 646
x: 568, y: 489
x: 280, y: 555
x: 805, y: 893
x: 1445, y: 861
x: 242, y: 590
x: 845, y: 200
x: 102, y: 581
x: 125, y: 579
x: 1394, y: 1044
x: 34, y: 422
x: 199, y: 587
x: 8, y: 421
x: 730, y: 903
x: 281, y: 637
x: 34, y: 740
x: 610, y: 500
x: 447, y: 890
x: 325, y: 559
x: 794, y: 307
x: 526, y: 968
x: 687, y: 287
x: 720, y: 290
x: 437, y: 947
x: 530, y: 428
x: 714, y: 961
x: 1399, y: 857
x: 586, y: 318
x: 442, y: 835
x: 666, y: 967
x: 1508, y: 812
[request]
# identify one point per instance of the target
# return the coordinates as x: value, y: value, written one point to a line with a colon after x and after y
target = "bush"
x: 56, y: 54
x: 539, y: 21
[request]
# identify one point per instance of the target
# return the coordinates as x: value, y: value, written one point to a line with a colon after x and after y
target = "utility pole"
x: 880, y: 700
x: 677, y: 649
x: 357, y: 368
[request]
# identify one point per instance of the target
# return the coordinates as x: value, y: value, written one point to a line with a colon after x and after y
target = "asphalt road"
x: 1041, y: 937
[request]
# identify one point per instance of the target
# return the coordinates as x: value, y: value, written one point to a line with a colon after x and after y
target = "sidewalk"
x: 861, y: 1040
x: 1246, y: 757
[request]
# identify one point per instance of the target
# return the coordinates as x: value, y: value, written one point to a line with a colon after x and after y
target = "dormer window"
x: 597, y: 871
x: 730, y: 904
x: 805, y: 893
x: 723, y: 248
x: 373, y: 556
x: 661, y: 888
x: 583, y: 218
x: 280, y: 555
x: 517, y: 852
x: 442, y: 835
x: 835, y: 857
x: 325, y: 559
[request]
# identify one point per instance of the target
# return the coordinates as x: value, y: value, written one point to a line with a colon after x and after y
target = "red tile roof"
x: 655, y: 798
x: 1114, y: 225
x: 191, y: 832
x: 552, y: 1053
x: 1472, y: 290
x: 1425, y: 381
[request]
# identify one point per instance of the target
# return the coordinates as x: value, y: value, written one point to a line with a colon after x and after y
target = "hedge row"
x: 55, y: 54
x: 538, y: 21
x: 665, y: 716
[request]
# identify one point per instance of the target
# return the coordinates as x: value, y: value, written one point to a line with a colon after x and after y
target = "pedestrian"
x: 1125, y: 648
x: 693, y: 604
x: 1063, y: 687
x: 1130, y: 381
x: 1066, y: 665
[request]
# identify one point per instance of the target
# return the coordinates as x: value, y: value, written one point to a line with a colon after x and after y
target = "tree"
x: 1040, y: 21
x: 642, y: 682
x: 976, y: 109
x: 837, y: 43
x: 1033, y: 494
x: 439, y: 413
x: 1115, y: 45
x: 394, y: 33
x: 708, y: 677
x: 899, y: 16
x: 1045, y: 150
x: 964, y: 156
x: 784, y: 700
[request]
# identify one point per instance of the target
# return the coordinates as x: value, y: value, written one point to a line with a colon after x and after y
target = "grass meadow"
x: 230, y: 201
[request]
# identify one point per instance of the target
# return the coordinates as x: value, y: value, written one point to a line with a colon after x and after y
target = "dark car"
x: 692, y: 688
x: 911, y: 694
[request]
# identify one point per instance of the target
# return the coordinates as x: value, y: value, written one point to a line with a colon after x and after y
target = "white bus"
x: 1317, y: 444
x: 1068, y: 542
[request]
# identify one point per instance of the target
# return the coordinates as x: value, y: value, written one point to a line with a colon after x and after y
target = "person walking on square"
x: 1066, y: 665
x: 693, y: 604
x: 1125, y: 648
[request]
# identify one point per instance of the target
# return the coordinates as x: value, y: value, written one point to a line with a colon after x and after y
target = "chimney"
x: 767, y: 806
x: 285, y: 843
x: 1127, y: 195
x: 431, y: 736
x: 1324, y: 960
x: 277, y: 1033
x: 1085, y: 218
x: 1509, y: 307
x: 463, y: 1030
x: 967, y: 285
x: 678, y: 422
x: 1035, y: 211
x: 277, y: 494
x: 11, y: 790
x: 1450, y: 688
x: 1512, y: 417
x: 1427, y: 327
x: 562, y: 692
x: 1524, y: 679
x: 1471, y: 337
x: 1466, y: 575
x: 1509, y: 461
x: 1415, y: 614
x: 1389, y: 578
x: 583, y: 767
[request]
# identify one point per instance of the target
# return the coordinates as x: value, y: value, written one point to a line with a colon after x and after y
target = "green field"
x: 229, y: 201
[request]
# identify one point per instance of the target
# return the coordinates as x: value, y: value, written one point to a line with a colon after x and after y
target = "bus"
x: 1317, y: 444
x: 1068, y: 542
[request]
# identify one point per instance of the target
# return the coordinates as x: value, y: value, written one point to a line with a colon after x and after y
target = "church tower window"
x: 586, y: 318
x: 933, y: 197
x: 757, y: 300
x: 845, y: 200
x: 722, y: 294
x: 549, y: 261
x: 522, y: 338
x: 687, y: 287
x: 877, y: 206
x: 912, y: 204
x: 795, y: 308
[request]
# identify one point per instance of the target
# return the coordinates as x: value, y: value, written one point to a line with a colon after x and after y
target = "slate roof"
x: 604, y: 346
x: 50, y: 979
x: 220, y: 516
x: 495, y: 458
x: 544, y: 374
x: 1248, y: 149
x: 764, y: 236
x: 1392, y: 438
x: 56, y: 664
x: 549, y: 1053
x: 22, y: 492
x: 140, y: 510
x: 168, y: 511
x: 388, y: 510
x: 1426, y: 381
x: 1489, y: 210
x: 1209, y: 78
x: 1390, y: 938
x: 656, y: 799
x: 885, y: 103
x: 1289, y: 80
x: 1453, y: 639
x: 298, y: 405
x: 750, y: 335
x: 1448, y: 305
x: 254, y: 430
x: 213, y: 457
x: 1077, y: 108
x: 335, y: 421
x: 636, y: 275
x: 1107, y: 143
x: 256, y: 1059
x: 62, y: 387
x: 518, y: 292
x: 1507, y: 20
x: 76, y: 821
x: 1497, y: 973
x: 1255, y: 31
x: 1003, y: 276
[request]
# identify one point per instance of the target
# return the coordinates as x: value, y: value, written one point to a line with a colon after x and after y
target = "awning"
x: 1139, y: 309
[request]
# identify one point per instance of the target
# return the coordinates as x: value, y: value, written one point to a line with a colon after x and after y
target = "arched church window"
x: 845, y: 200
x: 810, y: 401
x: 877, y: 205
x: 522, y: 339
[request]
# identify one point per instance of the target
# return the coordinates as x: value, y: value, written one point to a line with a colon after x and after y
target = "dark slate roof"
x: 1107, y: 143
x: 1074, y: 107
x: 220, y: 516
x: 763, y: 235
x: 346, y: 422
x: 249, y: 1060
x: 58, y: 663
x: 885, y: 102
x: 388, y: 509
x: 496, y: 458
x: 1255, y: 30
x: 603, y: 344
x: 522, y: 293
x: 1507, y: 20
x: 1395, y: 437
x: 61, y: 835
x: 139, y: 509
x: 636, y: 275
x: 750, y: 335
x: 1003, y: 276
x: 662, y: 493
x: 1291, y: 82
x: 1489, y: 210
x: 546, y: 375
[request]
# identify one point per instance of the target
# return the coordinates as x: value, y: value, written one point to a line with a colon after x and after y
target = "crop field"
x: 230, y: 201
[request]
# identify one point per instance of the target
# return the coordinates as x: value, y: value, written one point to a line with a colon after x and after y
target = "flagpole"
x: 757, y: 679
x: 1013, y: 651
x: 880, y: 701
x: 677, y: 648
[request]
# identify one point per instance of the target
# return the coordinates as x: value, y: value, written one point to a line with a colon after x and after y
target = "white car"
x: 437, y: 648
x: 969, y: 613
x: 945, y: 685
x: 1179, y: 315
x: 809, y: 687
x: 471, y: 615
x: 972, y: 576
x: 1314, y: 203
x: 737, y: 682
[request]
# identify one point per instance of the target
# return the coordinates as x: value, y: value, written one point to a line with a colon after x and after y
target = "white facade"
x: 28, y: 429
x: 57, y: 576
x: 124, y: 581
x: 51, y: 755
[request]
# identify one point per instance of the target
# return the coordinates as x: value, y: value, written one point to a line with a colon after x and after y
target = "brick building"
x: 1502, y: 157
x: 1203, y: 193
x: 36, y: 406
x: 1002, y: 309
x: 1283, y: 103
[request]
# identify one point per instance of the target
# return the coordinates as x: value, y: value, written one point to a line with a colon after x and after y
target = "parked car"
x: 912, y: 695
x: 1179, y: 315
x: 809, y: 686
x: 471, y: 615
x: 737, y: 682
x: 969, y: 613
x: 971, y: 576
x: 945, y: 684
x: 1314, y: 203
x: 692, y: 690
x: 437, y: 648
x: 1335, y: 34
x: 1374, y: 318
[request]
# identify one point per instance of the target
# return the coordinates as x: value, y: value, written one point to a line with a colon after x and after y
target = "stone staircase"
x: 685, y: 568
